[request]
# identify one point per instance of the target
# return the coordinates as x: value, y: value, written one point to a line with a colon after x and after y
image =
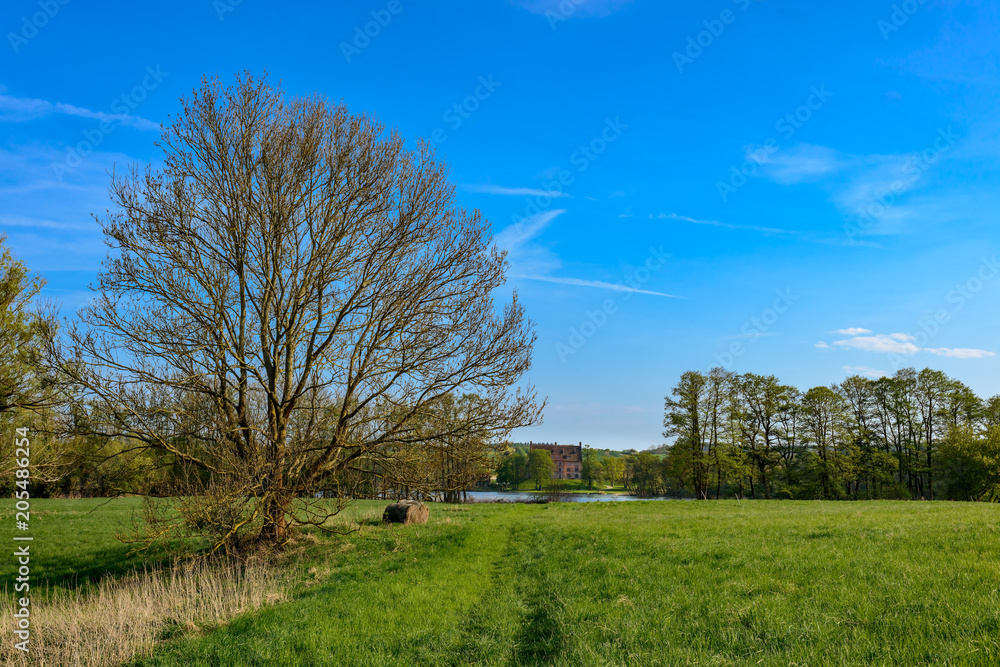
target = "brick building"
x: 568, y: 459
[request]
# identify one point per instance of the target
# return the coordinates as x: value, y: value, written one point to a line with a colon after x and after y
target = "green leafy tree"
x: 762, y: 406
x: 684, y: 416
x: 644, y: 474
x: 592, y: 469
x: 27, y: 397
x: 823, y: 411
x: 916, y: 434
x: 514, y: 469
x: 613, y: 468
x: 990, y: 414
x: 23, y: 331
x: 541, y: 466
x: 933, y: 389
x: 968, y: 465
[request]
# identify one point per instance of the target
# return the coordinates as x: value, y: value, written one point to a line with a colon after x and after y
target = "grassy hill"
x: 631, y: 583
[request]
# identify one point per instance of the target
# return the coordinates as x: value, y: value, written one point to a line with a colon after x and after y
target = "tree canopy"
x: 23, y: 330
x: 912, y: 435
x: 293, y: 296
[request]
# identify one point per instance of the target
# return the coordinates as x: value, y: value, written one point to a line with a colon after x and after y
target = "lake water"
x: 510, y: 496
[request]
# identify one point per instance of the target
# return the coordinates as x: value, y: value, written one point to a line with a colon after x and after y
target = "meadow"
x: 636, y: 583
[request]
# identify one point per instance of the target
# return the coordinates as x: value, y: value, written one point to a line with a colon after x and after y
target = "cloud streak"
x: 901, y: 344
x: 725, y: 225
x: 39, y: 223
x: 516, y: 236
x: 530, y: 260
x: 517, y: 192
x: 23, y: 109
x: 766, y: 231
x: 879, y: 189
x: 617, y: 287
x: 801, y: 164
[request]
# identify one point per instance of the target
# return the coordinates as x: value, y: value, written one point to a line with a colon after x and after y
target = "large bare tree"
x: 288, y: 295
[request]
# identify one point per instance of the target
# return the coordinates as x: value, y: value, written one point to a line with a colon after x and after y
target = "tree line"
x: 599, y: 468
x: 912, y: 435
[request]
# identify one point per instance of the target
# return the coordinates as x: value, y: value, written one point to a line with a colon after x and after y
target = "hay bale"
x: 406, y: 512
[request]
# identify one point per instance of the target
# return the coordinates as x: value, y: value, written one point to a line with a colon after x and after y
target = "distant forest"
x: 916, y: 434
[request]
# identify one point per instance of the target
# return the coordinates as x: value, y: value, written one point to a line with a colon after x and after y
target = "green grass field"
x: 74, y: 541
x: 632, y: 583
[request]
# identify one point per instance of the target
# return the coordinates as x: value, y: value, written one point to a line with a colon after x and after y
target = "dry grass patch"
x: 121, y: 619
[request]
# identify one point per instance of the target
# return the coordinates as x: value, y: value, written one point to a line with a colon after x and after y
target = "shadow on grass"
x: 91, y: 568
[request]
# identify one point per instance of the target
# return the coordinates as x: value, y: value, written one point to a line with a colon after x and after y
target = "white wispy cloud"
x: 22, y: 109
x: 520, y: 192
x: 886, y: 191
x: 30, y: 223
x: 896, y: 343
x: 904, y: 344
x: 864, y: 370
x: 852, y: 331
x: 525, y: 253
x: 529, y: 259
x: 766, y: 231
x: 47, y: 221
x: 514, y: 237
x: 959, y: 352
x: 799, y: 164
x: 600, y: 284
x: 725, y: 225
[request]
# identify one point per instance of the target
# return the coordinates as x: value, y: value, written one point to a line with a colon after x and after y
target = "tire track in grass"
x: 520, y: 619
x: 487, y: 632
x: 544, y: 635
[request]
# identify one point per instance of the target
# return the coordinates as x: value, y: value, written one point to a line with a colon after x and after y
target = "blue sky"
x: 803, y: 189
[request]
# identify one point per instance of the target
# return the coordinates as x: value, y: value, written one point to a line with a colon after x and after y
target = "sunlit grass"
x: 637, y: 583
x: 643, y: 584
x: 74, y: 541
